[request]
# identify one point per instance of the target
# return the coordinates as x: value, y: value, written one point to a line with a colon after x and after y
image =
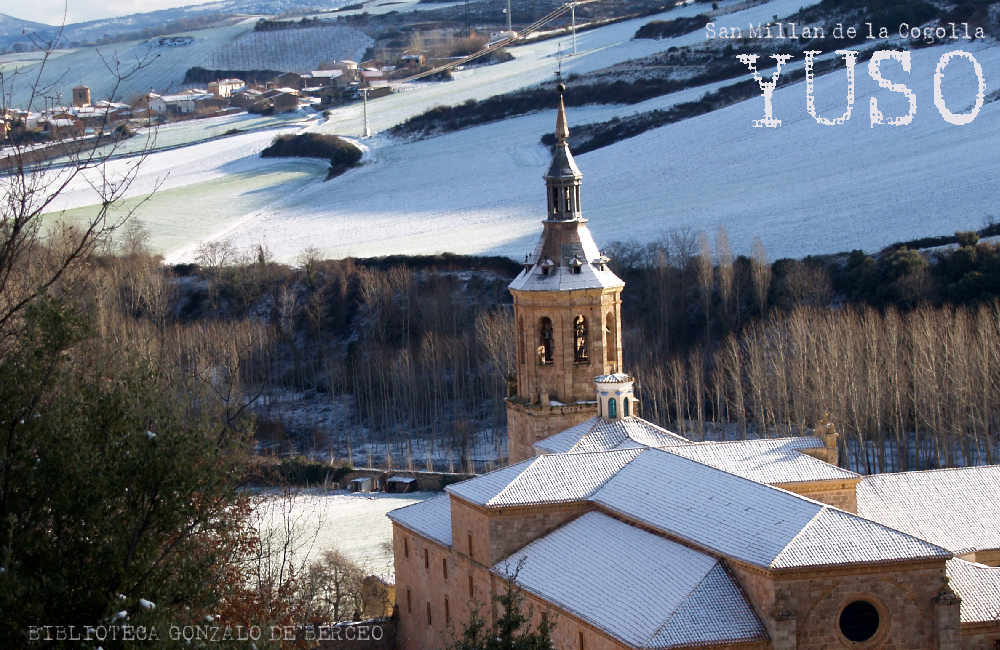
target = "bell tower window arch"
x: 581, y: 352
x: 545, y: 341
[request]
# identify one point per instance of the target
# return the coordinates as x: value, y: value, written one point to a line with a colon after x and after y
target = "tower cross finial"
x: 562, y: 130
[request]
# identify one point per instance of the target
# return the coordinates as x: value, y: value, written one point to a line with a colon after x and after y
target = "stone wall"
x: 903, y: 595
x: 839, y: 494
x: 988, y: 557
x: 511, y: 529
x: 530, y: 423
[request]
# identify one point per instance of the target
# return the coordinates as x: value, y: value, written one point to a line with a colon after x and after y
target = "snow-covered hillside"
x: 803, y: 188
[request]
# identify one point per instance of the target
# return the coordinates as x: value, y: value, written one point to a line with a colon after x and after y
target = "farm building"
x: 401, y: 484
x: 363, y: 484
x: 630, y: 536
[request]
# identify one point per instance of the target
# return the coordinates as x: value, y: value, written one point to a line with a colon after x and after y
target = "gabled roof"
x: 748, y: 521
x: 555, y: 478
x: 643, y: 590
x: 599, y: 434
x: 772, y: 461
x: 430, y: 518
x: 978, y: 586
x: 945, y: 506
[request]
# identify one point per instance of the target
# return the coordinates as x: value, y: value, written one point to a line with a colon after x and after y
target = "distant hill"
x: 11, y: 29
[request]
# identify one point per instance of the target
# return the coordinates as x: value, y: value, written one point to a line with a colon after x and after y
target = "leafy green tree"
x: 512, y: 630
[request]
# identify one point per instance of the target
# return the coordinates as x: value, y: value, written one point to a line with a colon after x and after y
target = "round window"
x: 859, y: 621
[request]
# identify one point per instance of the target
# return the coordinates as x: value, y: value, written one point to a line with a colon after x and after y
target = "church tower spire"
x: 567, y: 311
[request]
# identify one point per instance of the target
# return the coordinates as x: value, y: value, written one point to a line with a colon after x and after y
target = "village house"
x: 225, y: 88
x: 413, y: 61
x: 630, y: 536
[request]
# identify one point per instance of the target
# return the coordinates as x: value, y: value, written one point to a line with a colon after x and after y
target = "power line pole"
x: 572, y: 9
x: 508, y: 18
x: 364, y: 93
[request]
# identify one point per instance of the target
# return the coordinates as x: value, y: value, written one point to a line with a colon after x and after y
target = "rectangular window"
x: 447, y: 611
x: 429, y: 616
x: 427, y: 559
x: 470, y: 545
x: 472, y: 588
x: 409, y: 602
x: 406, y: 546
x: 444, y: 567
x: 581, y: 633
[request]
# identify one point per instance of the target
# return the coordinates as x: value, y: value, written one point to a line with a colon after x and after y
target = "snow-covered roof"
x: 978, y: 586
x: 430, y: 518
x: 954, y: 508
x: 574, y: 242
x: 599, y: 434
x: 328, y: 74
x: 554, y: 478
x: 772, y: 461
x: 643, y: 590
x: 748, y: 521
x: 614, y: 378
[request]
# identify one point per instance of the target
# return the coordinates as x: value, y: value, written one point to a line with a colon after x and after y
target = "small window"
x: 625, y: 407
x: 472, y: 587
x: 447, y: 611
x: 444, y: 567
x: 576, y: 270
x: 859, y: 621
x: 545, y: 270
x: 581, y: 641
x: 406, y: 547
x: 429, y: 622
x: 599, y: 414
x: 580, y: 347
x: 612, y: 408
x: 409, y: 602
x: 427, y: 559
x: 470, y: 545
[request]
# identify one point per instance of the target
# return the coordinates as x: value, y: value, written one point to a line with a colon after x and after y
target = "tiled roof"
x: 598, y: 434
x: 954, y: 508
x: 614, y: 378
x: 643, y: 590
x: 546, y: 479
x: 430, y: 518
x: 978, y: 586
x: 773, y: 461
x: 748, y: 521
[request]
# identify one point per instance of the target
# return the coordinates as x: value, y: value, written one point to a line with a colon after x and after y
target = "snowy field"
x: 353, y: 523
x: 804, y: 188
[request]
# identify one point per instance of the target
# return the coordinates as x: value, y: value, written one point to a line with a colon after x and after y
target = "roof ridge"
x: 727, y: 442
x: 930, y: 471
x: 682, y: 602
x: 797, y: 535
x: 834, y: 509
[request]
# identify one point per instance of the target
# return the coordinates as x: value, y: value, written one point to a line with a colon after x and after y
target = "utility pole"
x: 367, y: 133
x: 572, y: 9
x: 508, y: 18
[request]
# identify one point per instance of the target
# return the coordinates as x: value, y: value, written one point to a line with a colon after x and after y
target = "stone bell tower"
x: 567, y: 311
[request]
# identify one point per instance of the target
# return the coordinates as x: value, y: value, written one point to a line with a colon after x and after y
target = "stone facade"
x: 839, y: 494
x: 530, y: 423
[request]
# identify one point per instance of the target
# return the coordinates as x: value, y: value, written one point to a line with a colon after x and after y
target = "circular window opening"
x: 859, y: 621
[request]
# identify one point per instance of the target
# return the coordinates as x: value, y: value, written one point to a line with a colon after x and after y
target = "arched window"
x: 609, y: 331
x: 520, y: 340
x: 625, y: 407
x: 612, y: 410
x: 545, y: 341
x: 580, y: 353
